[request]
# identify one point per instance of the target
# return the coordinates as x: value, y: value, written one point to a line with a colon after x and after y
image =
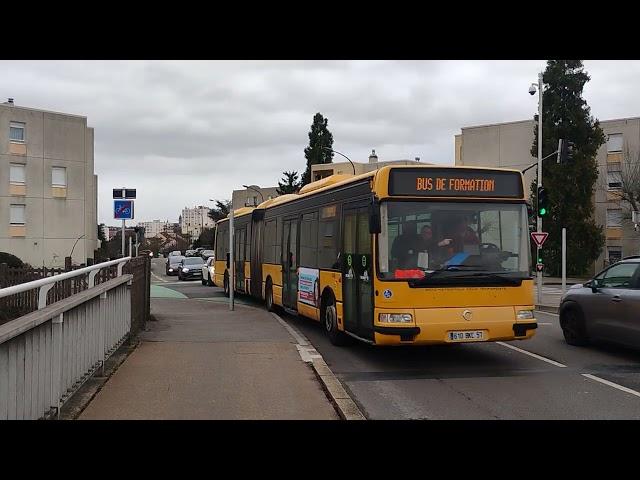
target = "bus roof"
x: 238, y: 212
x: 339, y: 180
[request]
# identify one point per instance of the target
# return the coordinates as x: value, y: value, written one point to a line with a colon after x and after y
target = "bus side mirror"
x: 228, y: 259
x: 374, y: 216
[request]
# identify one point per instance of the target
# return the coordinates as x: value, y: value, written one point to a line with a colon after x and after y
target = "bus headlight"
x: 395, y: 318
x: 525, y: 315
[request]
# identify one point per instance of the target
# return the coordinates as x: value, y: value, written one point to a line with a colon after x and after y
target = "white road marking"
x: 161, y: 279
x: 552, y: 362
x: 611, y: 384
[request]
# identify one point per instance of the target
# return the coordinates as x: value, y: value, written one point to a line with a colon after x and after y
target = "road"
x: 540, y: 378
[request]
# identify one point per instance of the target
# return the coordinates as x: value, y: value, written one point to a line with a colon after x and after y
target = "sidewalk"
x: 201, y: 361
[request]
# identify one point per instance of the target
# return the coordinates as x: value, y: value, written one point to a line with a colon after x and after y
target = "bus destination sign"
x: 449, y: 182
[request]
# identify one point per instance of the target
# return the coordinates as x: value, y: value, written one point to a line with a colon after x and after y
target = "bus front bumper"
x: 434, y: 326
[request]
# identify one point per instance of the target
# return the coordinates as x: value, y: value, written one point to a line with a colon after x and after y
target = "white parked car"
x: 208, y: 271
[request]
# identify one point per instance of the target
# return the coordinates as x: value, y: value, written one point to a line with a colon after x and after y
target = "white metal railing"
x: 45, y: 284
x: 46, y: 355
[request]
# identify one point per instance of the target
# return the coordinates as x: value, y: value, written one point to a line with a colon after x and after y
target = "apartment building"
x: 153, y: 228
x: 252, y: 196
x: 508, y: 145
x: 48, y: 188
x: 323, y: 170
x: 194, y: 220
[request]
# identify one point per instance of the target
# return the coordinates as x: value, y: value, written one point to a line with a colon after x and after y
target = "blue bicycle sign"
x: 123, y: 209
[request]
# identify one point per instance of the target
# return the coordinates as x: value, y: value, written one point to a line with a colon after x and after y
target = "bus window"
x: 419, y: 237
x: 328, y: 238
x: 309, y: 240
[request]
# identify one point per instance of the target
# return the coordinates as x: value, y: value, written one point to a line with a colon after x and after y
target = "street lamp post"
x: 251, y: 188
x: 335, y: 151
x: 74, y: 246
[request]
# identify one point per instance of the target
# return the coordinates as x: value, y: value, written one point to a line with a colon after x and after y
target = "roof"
x: 39, y: 110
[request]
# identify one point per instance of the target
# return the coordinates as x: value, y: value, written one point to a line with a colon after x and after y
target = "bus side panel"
x: 247, y: 276
x: 275, y: 272
x: 218, y: 278
x: 309, y: 311
x: 332, y: 280
x: 339, y: 312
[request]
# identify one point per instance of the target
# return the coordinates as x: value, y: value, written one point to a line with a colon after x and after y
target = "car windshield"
x: 193, y: 261
x: 423, y: 239
x: 176, y: 259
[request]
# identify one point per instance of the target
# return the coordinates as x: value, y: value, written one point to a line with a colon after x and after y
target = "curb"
x: 346, y: 407
x: 342, y: 402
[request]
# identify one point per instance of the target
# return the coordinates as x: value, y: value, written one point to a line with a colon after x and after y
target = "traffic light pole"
x: 540, y: 95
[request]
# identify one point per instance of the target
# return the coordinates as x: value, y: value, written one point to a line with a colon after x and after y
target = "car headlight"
x: 185, y: 270
x: 171, y: 269
x: 395, y: 317
x: 525, y: 315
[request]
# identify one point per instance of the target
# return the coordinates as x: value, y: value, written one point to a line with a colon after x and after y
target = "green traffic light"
x: 543, y: 211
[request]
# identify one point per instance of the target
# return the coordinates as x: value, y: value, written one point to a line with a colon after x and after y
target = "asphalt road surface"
x: 541, y: 378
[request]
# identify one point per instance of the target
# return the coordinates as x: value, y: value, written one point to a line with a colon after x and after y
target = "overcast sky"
x: 182, y: 132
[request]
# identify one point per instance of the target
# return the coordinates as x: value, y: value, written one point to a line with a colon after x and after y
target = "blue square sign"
x: 123, y: 209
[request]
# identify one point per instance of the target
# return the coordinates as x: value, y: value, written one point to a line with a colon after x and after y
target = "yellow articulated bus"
x: 409, y: 255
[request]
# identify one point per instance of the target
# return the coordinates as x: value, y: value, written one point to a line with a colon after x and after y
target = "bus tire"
x: 226, y: 284
x: 573, y: 327
x: 268, y: 297
x: 330, y: 321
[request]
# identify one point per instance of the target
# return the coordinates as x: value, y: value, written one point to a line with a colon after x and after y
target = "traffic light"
x: 543, y: 201
x: 566, y: 151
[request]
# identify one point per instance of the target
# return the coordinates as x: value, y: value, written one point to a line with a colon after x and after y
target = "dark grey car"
x: 173, y: 263
x: 190, y: 268
x: 605, y: 308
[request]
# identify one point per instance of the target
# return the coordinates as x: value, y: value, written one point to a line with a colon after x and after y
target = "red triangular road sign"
x: 539, y: 237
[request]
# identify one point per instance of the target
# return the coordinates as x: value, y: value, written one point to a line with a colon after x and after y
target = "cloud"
x: 182, y: 132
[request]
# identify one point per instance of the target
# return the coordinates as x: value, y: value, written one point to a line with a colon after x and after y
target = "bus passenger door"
x: 290, y: 264
x: 240, y: 239
x: 356, y: 273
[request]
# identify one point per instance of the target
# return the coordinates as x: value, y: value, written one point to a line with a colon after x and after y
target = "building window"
x: 614, y: 254
x: 16, y: 132
x: 614, y: 177
x: 614, y: 143
x: 17, y: 174
x: 614, y: 217
x: 59, y: 177
x: 17, y: 215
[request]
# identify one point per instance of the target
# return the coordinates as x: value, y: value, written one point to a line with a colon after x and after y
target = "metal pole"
x: 564, y: 260
x: 540, y: 86
x: 130, y: 242
x: 231, y: 261
x: 123, y: 220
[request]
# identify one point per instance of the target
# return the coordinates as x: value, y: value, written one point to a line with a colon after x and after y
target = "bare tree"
x: 627, y: 182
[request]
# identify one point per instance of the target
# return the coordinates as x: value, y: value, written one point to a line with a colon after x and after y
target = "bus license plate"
x: 466, y: 336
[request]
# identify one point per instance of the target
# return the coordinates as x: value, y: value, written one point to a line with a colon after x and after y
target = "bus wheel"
x: 330, y: 322
x: 573, y: 328
x: 226, y: 285
x: 268, y: 294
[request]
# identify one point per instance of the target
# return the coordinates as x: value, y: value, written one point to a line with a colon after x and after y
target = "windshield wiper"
x: 456, y: 267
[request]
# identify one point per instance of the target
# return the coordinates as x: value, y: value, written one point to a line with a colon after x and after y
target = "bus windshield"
x: 425, y: 239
